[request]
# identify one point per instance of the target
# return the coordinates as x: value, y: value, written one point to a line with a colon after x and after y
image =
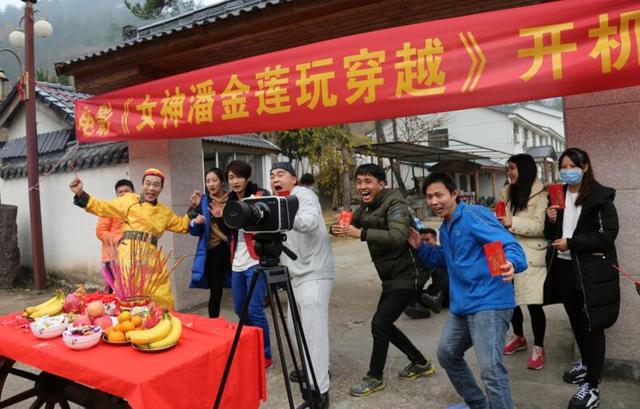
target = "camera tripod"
x: 269, y: 247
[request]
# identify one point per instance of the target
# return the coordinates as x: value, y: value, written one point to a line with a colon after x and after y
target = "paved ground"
x: 353, y: 302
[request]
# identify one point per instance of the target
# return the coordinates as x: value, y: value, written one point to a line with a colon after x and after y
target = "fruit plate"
x: 106, y: 340
x: 154, y: 349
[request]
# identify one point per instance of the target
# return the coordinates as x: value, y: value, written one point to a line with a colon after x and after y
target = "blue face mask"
x: 571, y: 176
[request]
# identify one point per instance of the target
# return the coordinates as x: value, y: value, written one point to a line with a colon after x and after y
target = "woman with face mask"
x: 580, y: 264
x: 526, y: 202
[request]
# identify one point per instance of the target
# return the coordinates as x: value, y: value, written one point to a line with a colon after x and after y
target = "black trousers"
x: 217, y: 264
x: 390, y: 307
x: 590, y: 342
x: 538, y: 323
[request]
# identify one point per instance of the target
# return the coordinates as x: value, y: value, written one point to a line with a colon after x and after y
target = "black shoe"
x: 575, y: 374
x: 296, y: 376
x: 586, y: 397
x: 433, y: 302
x: 320, y: 400
x: 417, y: 310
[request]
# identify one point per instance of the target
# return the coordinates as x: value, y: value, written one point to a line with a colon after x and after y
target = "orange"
x: 127, y: 326
x: 124, y: 316
x: 116, y: 336
x: 137, y: 320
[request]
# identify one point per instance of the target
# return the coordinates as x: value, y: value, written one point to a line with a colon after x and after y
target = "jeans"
x: 240, y: 282
x: 485, y: 331
x: 390, y: 307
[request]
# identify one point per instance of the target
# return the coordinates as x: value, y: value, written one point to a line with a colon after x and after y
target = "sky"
x: 19, y: 3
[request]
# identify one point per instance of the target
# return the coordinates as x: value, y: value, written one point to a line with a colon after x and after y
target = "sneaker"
x: 367, y: 386
x: 414, y: 371
x: 516, y: 343
x: 417, y: 311
x: 536, y: 360
x: 586, y: 397
x: 576, y: 373
x: 431, y: 301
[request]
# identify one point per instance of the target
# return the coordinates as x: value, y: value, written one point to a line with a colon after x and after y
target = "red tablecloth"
x: 186, y: 376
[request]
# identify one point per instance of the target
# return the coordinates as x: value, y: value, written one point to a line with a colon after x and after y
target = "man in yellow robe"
x: 145, y: 220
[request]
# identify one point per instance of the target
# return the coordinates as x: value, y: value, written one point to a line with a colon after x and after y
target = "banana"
x: 31, y: 310
x: 147, y: 336
x: 172, y: 337
x: 54, y: 308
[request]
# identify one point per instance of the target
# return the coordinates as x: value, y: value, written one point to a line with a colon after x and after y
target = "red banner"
x: 526, y: 53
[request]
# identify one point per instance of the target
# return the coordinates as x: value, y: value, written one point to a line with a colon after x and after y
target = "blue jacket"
x: 202, y: 231
x: 471, y: 286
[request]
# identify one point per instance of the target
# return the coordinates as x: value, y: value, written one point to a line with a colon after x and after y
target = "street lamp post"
x: 33, y: 173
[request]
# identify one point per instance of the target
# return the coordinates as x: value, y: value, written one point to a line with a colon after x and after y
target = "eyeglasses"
x: 629, y: 277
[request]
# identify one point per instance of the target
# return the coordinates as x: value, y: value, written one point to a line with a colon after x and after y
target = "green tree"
x: 330, y: 153
x: 153, y: 9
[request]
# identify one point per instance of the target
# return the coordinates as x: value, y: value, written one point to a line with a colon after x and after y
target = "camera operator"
x: 311, y: 275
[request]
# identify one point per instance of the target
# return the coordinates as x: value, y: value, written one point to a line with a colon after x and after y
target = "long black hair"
x: 520, y: 191
x: 580, y: 158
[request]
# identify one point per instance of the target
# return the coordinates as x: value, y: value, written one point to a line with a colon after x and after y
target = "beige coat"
x: 528, y: 228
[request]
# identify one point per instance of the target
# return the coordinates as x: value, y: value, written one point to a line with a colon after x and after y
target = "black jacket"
x: 593, y: 255
x: 385, y: 227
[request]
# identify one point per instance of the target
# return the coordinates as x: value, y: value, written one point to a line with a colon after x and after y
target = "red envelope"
x: 494, y: 252
x: 345, y: 218
x: 556, y: 195
x: 501, y: 209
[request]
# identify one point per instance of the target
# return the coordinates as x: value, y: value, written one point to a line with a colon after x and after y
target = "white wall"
x: 70, y: 243
x: 47, y: 121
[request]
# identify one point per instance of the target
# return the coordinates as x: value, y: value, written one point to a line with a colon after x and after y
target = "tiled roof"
x: 47, y: 142
x: 203, y: 16
x: 245, y: 140
x: 542, y: 152
x: 89, y: 155
x: 58, y: 97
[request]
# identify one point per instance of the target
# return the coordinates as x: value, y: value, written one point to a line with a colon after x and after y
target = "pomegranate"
x: 95, y: 309
x: 103, y: 322
x: 81, y: 320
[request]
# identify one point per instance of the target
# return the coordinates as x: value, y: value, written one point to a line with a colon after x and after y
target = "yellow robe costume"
x: 153, y: 219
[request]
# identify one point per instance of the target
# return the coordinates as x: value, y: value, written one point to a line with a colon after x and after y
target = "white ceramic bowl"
x: 49, y: 327
x: 74, y: 339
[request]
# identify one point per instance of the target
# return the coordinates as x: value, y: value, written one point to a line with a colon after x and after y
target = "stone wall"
x: 606, y: 124
x: 9, y: 252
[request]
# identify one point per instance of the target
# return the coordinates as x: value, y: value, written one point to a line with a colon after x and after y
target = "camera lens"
x: 238, y: 214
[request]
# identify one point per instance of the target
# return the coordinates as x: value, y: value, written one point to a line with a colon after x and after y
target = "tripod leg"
x: 309, y: 397
x: 301, y: 339
x: 287, y: 334
x: 236, y: 339
x: 275, y: 299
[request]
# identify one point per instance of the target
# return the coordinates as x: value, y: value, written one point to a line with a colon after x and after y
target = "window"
x: 438, y: 138
x: 515, y: 134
